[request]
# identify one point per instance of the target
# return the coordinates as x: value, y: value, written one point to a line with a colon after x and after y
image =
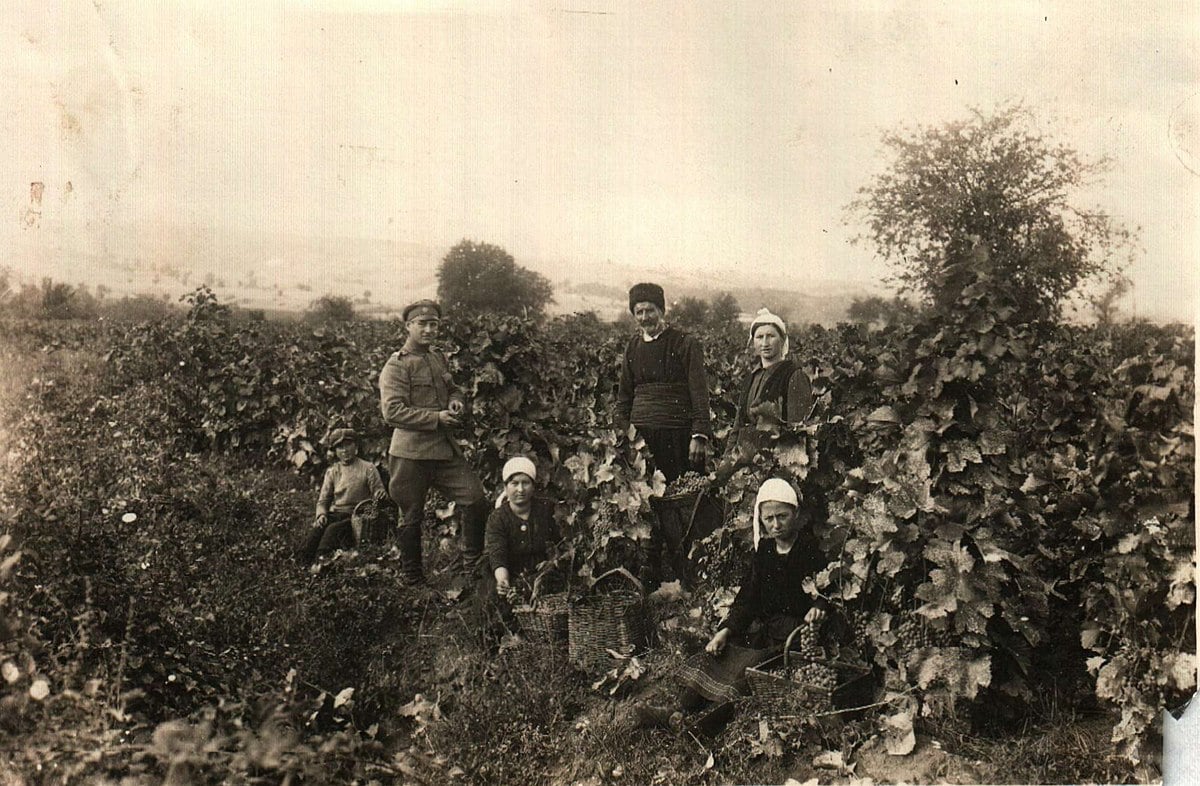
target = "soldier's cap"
x: 422, y: 308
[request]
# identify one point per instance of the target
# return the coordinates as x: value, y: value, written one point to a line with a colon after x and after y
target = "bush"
x: 331, y: 308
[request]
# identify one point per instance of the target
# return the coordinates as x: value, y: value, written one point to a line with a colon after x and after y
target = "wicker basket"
x: 544, y: 618
x: 684, y: 499
x: 776, y: 693
x: 599, y: 622
x: 367, y: 522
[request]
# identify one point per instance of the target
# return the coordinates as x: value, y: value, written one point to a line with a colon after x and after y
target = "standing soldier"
x: 663, y: 392
x: 421, y: 403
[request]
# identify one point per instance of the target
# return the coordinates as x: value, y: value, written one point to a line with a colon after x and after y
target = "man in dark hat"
x: 663, y: 393
x: 422, y: 404
x: 663, y: 389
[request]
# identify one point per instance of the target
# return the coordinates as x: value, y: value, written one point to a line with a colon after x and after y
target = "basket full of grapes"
x: 686, y: 488
x: 801, y: 678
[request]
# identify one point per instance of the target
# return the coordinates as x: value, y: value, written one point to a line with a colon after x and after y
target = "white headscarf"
x: 765, y: 317
x: 773, y: 490
x: 516, y: 465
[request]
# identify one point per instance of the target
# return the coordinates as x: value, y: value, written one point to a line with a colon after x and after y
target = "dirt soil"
x: 928, y: 763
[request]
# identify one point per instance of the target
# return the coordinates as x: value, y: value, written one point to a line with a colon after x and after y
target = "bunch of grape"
x: 807, y: 641
x: 687, y: 483
x: 912, y: 635
x: 944, y: 638
x: 859, y: 631
x: 915, y: 634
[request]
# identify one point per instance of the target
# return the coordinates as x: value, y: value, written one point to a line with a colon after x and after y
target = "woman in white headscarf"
x: 776, y: 389
x: 519, y: 531
x: 770, y: 604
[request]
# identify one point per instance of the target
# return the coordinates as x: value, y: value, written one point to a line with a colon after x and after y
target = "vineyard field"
x: 1005, y: 508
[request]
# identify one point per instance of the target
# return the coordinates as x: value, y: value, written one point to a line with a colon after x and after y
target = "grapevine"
x: 996, y: 502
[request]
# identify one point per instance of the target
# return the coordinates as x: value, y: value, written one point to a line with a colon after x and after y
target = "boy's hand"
x: 717, y: 643
x: 320, y: 520
x: 814, y: 614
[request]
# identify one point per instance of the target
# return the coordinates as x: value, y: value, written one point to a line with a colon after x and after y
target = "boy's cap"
x: 340, y: 435
x: 422, y: 308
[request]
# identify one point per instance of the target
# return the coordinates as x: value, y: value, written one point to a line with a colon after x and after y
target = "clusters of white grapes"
x: 913, y: 634
x: 859, y: 629
x: 808, y: 641
x: 688, y: 483
x: 818, y: 678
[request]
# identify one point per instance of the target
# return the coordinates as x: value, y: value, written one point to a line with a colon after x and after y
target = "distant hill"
x: 281, y: 272
x: 604, y: 286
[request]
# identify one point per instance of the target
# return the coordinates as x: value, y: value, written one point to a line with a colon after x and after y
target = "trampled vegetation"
x: 1009, y: 527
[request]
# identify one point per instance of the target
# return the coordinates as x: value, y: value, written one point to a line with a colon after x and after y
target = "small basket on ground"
x: 601, y: 621
x: 544, y: 617
x: 776, y: 692
x: 367, y: 522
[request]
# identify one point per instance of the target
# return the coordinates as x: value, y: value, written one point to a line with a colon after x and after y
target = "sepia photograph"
x: 598, y: 393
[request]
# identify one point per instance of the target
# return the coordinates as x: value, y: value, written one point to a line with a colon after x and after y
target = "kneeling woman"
x: 518, y: 536
x: 770, y: 604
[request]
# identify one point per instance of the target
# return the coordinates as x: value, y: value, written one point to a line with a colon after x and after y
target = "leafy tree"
x: 331, y: 308
x: 1104, y: 303
x: 480, y: 277
x: 58, y: 300
x: 724, y: 309
x: 995, y: 184
x: 204, y: 306
x: 7, y: 293
x: 878, y: 309
x: 696, y: 313
x: 689, y: 312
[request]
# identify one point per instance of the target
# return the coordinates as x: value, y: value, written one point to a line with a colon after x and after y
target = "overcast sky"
x: 666, y: 134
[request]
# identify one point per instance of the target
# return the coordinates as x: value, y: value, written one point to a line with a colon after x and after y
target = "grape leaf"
x: 898, y: 734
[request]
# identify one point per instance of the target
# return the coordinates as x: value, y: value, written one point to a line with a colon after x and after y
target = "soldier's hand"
x: 698, y: 451
x: 447, y: 418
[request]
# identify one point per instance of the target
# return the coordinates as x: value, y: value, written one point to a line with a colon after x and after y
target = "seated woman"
x: 770, y: 604
x: 777, y: 388
x: 518, y: 535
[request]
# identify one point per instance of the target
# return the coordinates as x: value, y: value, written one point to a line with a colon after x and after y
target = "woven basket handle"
x: 626, y: 574
x: 360, y: 510
x: 787, y: 645
x: 537, y: 589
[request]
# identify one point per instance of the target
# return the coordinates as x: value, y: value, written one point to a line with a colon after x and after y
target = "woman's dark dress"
x: 770, y: 605
x: 519, y: 545
x: 784, y: 384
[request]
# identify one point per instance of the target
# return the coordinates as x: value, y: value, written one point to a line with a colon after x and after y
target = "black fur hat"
x: 647, y: 293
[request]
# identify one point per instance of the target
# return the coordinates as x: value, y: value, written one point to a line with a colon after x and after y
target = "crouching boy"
x: 349, y: 481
